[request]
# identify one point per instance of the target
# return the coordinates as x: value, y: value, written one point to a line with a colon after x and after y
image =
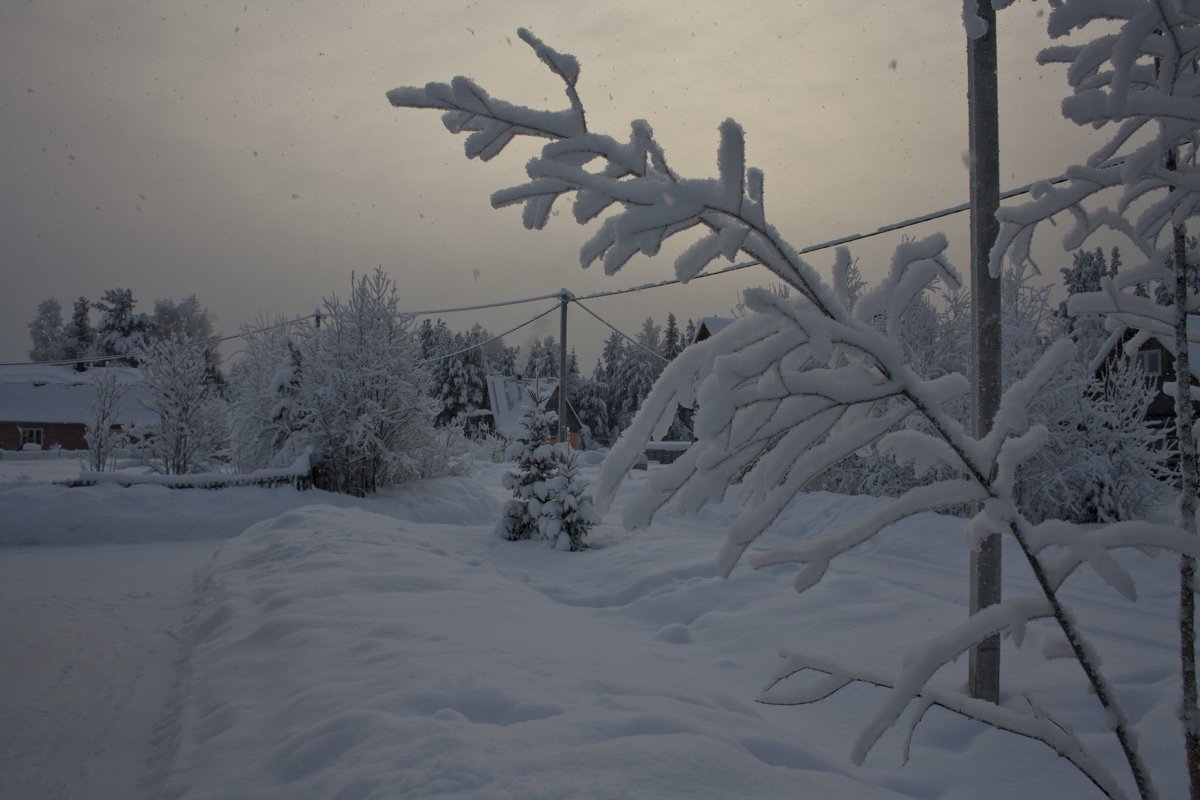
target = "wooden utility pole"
x: 983, y: 671
x: 564, y: 297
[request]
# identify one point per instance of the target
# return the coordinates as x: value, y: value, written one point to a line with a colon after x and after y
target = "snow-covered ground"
x: 254, y: 643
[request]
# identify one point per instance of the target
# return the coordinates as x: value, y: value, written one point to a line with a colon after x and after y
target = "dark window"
x: 31, y: 436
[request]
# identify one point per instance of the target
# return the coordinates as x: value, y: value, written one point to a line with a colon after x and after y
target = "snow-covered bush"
x: 191, y: 428
x: 548, y: 499
x: 362, y: 399
x: 264, y: 386
x: 803, y: 383
x: 350, y: 388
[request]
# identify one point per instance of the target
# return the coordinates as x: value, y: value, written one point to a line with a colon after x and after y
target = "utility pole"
x: 983, y: 670
x: 564, y: 297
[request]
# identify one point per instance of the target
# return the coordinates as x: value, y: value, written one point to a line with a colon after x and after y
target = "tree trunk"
x: 1187, y: 513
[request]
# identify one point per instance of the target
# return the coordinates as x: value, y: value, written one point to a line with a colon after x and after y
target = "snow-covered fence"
x: 299, y: 474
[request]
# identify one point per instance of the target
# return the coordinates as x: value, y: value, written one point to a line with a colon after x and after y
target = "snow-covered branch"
x: 808, y: 381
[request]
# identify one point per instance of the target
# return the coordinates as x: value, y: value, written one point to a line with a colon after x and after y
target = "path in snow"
x: 98, y: 625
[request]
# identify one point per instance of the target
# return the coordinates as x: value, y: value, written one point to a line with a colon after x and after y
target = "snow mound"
x: 335, y: 653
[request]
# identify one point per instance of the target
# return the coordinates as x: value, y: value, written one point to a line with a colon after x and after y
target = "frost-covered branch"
x: 834, y: 676
x: 808, y: 381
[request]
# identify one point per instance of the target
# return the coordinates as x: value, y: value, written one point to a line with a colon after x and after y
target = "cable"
x: 494, y: 338
x: 896, y: 226
x: 497, y: 304
x: 622, y: 334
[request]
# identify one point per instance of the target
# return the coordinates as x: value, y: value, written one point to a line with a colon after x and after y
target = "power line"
x: 891, y: 228
x: 622, y: 334
x: 493, y: 339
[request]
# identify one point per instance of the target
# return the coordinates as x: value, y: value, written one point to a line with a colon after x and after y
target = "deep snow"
x: 394, y: 647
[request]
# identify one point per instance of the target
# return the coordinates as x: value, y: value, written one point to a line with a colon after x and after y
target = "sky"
x: 245, y: 152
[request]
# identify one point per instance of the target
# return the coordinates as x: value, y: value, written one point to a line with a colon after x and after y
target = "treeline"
x: 118, y: 332
x: 624, y: 373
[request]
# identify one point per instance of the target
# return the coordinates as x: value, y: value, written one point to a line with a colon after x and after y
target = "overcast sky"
x: 245, y: 152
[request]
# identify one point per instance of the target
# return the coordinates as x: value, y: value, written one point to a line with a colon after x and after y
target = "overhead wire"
x: 890, y: 228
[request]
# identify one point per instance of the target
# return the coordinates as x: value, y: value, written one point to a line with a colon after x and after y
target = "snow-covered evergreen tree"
x: 536, y: 464
x: 549, y: 500
x: 672, y: 340
x: 591, y: 405
x: 637, y: 372
x: 566, y: 513
x: 78, y: 336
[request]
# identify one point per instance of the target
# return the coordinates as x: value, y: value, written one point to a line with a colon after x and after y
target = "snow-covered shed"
x: 43, y: 407
x: 508, y: 397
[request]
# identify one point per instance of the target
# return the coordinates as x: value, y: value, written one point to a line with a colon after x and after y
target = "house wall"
x: 67, y: 435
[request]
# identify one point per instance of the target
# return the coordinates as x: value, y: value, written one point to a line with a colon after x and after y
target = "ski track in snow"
x: 91, y: 634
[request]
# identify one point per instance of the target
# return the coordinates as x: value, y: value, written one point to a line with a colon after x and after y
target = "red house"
x: 47, y: 407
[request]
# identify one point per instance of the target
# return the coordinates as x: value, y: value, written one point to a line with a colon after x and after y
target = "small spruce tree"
x: 548, y: 499
x: 536, y: 464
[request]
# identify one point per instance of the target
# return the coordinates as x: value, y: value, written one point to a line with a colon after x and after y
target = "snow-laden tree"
x: 672, y: 339
x: 591, y: 406
x: 264, y: 388
x: 500, y: 359
x: 637, y: 372
x: 542, y: 361
x: 1138, y: 77
x: 104, y: 434
x: 461, y: 378
x: 78, y: 335
x: 364, y: 397
x: 549, y: 496
x: 185, y: 318
x: 568, y: 513
x: 798, y: 386
x: 191, y: 425
x: 46, y: 332
x: 120, y: 330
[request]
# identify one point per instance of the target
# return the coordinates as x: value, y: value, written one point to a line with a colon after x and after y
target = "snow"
x: 394, y: 647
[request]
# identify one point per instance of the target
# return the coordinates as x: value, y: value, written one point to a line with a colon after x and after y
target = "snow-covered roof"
x: 41, y: 393
x: 711, y: 326
x: 509, y: 398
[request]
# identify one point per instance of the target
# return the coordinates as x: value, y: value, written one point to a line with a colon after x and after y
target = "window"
x: 1150, y: 361
x: 31, y: 436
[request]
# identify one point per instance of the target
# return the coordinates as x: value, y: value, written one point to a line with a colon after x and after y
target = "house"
x: 508, y: 397
x: 1156, y: 356
x: 710, y: 326
x: 45, y: 407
